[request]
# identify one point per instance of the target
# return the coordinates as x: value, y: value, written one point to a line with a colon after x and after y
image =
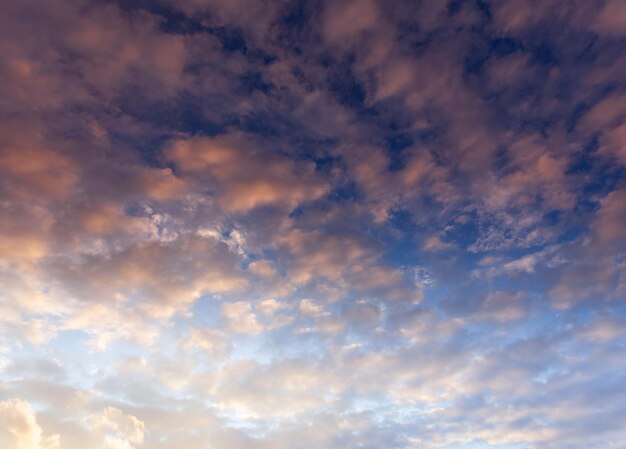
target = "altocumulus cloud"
x: 326, y: 224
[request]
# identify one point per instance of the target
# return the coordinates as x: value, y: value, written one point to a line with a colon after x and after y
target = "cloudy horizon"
x: 288, y: 224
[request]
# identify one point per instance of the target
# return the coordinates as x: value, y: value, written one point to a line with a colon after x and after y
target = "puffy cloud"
x: 252, y: 389
x: 345, y: 21
x: 386, y: 190
x: 609, y: 225
x: 263, y: 268
x: 608, y: 111
x: 309, y: 307
x: 21, y: 429
x: 146, y: 282
x: 233, y: 163
x: 269, y: 307
x: 318, y: 255
x: 434, y: 243
x: 604, y: 330
x: 24, y: 232
x: 121, y: 430
x: 213, y: 341
x: 36, y: 170
x: 611, y: 19
x: 241, y: 318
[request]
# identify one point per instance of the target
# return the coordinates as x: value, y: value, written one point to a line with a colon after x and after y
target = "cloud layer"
x: 284, y: 224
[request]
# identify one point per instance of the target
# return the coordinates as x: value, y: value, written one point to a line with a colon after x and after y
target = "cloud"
x: 250, y: 388
x: 344, y: 22
x: 434, y: 243
x: 353, y: 224
x: 608, y: 227
x: 146, y: 282
x: 611, y: 19
x: 504, y: 306
x: 213, y: 341
x: 604, y: 330
x: 309, y: 307
x: 263, y: 268
x: 33, y: 169
x: 21, y: 429
x: 241, y: 318
x: 121, y: 429
x: 233, y: 163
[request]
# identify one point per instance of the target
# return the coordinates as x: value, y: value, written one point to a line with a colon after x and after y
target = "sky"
x: 291, y: 224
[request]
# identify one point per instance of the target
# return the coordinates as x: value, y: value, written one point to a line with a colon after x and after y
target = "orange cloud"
x: 234, y: 165
x: 611, y: 19
x: 610, y: 224
x: 19, y: 428
x: 30, y: 169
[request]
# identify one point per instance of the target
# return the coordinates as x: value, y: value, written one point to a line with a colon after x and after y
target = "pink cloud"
x: 233, y: 164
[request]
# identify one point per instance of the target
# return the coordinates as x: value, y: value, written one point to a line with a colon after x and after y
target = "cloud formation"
x: 269, y: 224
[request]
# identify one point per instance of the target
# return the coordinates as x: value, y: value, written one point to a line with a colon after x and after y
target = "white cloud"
x: 19, y: 428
